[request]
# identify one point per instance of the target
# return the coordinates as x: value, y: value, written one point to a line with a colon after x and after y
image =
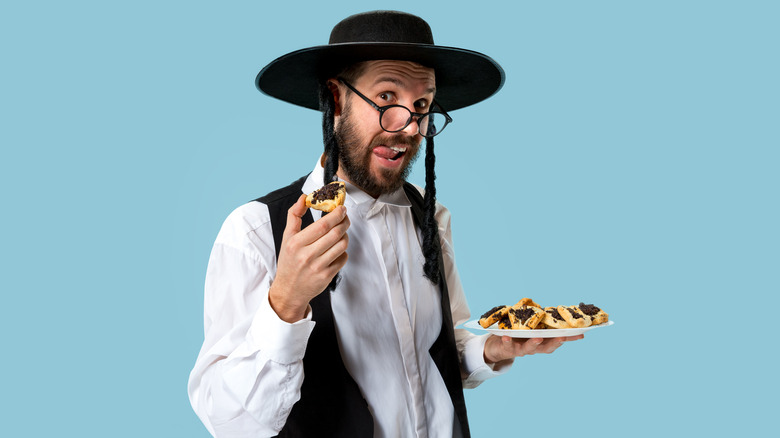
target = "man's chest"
x: 382, y: 286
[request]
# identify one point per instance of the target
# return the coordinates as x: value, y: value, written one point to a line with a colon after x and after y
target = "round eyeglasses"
x: 395, y: 118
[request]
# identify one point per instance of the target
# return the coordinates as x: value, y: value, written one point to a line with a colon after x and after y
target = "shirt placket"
x: 400, y: 311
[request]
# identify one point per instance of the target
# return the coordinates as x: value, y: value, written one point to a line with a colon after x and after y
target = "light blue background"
x: 630, y: 161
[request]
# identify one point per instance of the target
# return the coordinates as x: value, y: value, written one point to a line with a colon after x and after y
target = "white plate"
x: 543, y: 333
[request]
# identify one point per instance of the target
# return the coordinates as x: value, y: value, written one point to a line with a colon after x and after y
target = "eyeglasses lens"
x: 427, y: 125
x: 396, y: 118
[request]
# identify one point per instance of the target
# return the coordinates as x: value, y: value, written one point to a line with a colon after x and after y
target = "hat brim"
x: 463, y: 77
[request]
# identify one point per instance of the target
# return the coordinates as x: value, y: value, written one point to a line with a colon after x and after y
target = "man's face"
x: 371, y: 158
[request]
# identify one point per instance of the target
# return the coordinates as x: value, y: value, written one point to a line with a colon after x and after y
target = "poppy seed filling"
x: 491, y: 311
x: 523, y: 314
x: 555, y: 314
x: 328, y: 192
x: 589, y: 309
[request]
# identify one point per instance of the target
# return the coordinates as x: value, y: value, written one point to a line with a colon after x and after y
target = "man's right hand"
x: 308, y: 260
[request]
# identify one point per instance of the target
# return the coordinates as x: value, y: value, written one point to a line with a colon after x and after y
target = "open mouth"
x: 391, y: 154
x: 399, y: 152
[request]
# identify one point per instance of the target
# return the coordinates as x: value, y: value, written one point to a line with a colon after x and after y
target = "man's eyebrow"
x: 400, y: 84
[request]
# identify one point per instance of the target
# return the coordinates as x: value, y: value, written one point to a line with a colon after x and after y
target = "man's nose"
x: 412, y: 128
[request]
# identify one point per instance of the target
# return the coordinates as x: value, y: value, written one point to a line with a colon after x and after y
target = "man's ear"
x: 335, y: 90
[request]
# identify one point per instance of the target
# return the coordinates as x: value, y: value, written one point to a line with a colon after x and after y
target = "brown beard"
x: 355, y: 159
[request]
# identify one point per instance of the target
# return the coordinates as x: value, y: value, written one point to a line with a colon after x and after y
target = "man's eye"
x: 421, y: 104
x: 387, y: 96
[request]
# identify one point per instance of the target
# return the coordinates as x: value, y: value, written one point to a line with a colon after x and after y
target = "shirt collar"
x: 355, y: 196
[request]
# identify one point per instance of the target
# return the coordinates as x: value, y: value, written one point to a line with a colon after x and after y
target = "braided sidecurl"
x: 328, y: 108
x: 430, y: 228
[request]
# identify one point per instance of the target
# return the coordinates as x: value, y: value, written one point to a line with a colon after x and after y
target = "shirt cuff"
x: 473, y: 363
x: 280, y: 341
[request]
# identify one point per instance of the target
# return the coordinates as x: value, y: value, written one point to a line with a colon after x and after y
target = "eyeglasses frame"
x: 412, y: 116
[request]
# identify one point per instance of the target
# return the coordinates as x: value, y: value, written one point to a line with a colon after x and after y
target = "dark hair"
x: 430, y: 227
x: 349, y: 73
x: 328, y: 108
x: 352, y: 72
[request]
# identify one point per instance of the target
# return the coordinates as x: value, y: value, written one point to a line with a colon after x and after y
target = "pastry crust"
x: 597, y: 315
x: 574, y: 317
x: 328, y: 197
x: 525, y: 317
x: 553, y: 319
x: 527, y: 302
x: 493, y: 315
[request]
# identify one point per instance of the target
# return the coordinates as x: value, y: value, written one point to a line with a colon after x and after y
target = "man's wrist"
x: 286, y: 310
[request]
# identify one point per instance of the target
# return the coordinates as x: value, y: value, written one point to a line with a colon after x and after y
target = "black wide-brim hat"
x: 463, y: 77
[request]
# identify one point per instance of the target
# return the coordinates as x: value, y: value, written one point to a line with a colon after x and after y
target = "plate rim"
x: 542, y: 333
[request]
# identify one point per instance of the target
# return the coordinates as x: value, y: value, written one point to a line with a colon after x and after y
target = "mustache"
x: 394, y: 140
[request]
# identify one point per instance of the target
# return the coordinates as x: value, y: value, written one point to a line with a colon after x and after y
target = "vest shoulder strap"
x: 331, y: 404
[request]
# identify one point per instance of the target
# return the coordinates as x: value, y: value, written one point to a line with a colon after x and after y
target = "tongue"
x: 385, y: 152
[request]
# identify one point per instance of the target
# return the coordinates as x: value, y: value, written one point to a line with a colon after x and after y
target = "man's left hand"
x: 499, y: 348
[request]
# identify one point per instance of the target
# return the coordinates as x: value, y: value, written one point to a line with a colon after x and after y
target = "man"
x: 343, y: 324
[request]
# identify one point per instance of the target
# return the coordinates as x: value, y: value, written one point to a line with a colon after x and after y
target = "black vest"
x: 331, y: 404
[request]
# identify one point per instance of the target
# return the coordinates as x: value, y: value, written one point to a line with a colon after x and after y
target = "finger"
x: 339, y: 262
x: 553, y: 344
x: 512, y: 347
x: 294, y: 215
x: 322, y: 226
x: 550, y: 345
x: 324, y: 244
x: 527, y: 346
x: 332, y: 253
x: 326, y: 273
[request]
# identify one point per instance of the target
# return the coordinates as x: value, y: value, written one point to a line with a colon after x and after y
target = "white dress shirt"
x: 387, y: 315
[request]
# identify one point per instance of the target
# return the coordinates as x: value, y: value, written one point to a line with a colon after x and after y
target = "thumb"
x: 294, y: 215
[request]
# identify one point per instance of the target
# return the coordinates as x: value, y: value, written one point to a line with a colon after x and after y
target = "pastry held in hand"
x: 328, y: 197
